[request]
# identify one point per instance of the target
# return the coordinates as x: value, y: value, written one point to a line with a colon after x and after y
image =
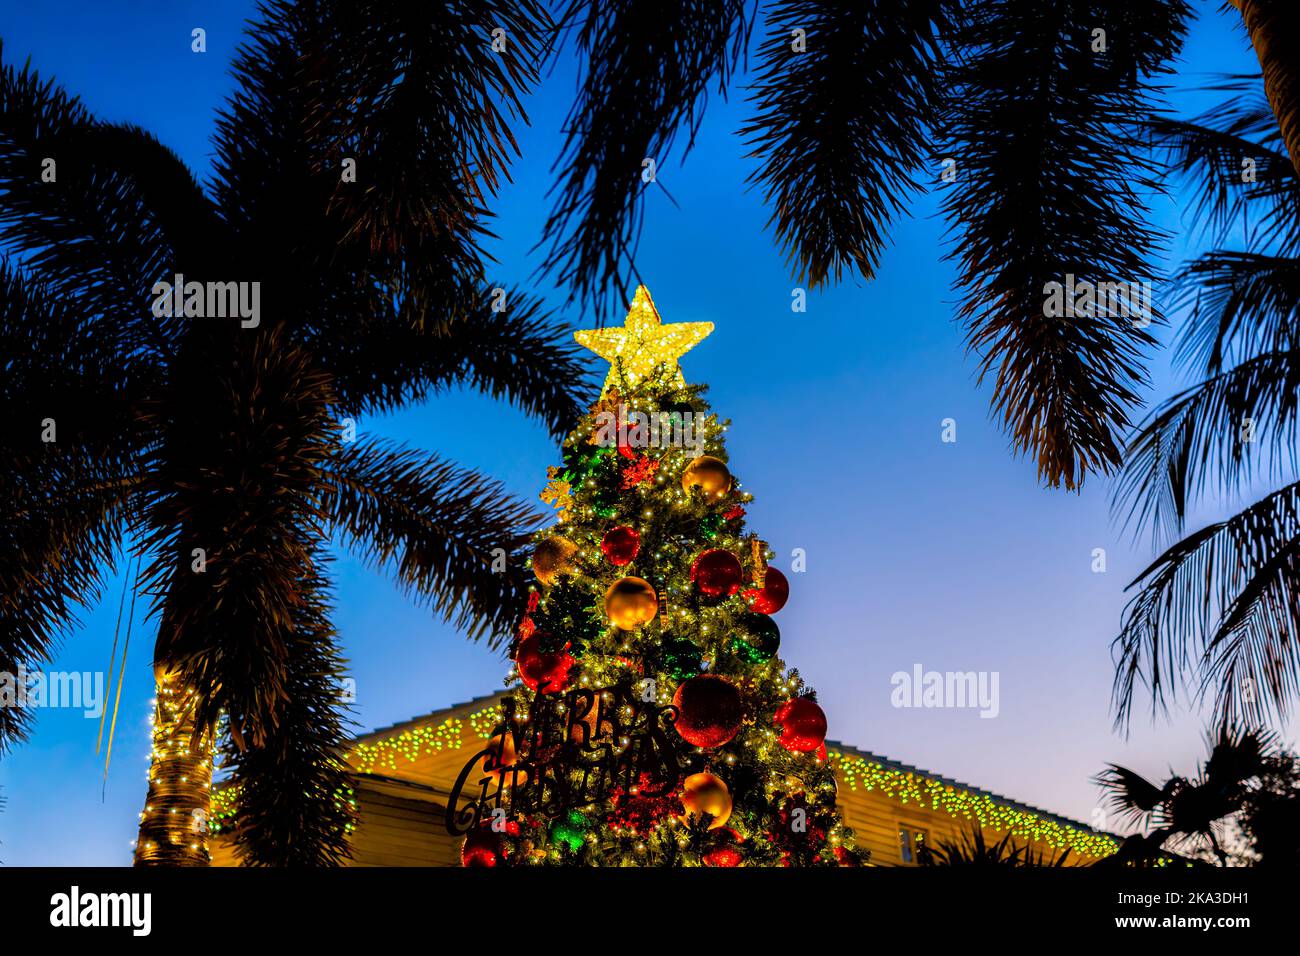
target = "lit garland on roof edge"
x: 857, y: 772
x: 409, y: 744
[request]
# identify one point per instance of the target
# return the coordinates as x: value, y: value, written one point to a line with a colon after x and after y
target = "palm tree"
x: 1193, y: 814
x: 219, y: 454
x: 1270, y: 818
x: 1217, y: 614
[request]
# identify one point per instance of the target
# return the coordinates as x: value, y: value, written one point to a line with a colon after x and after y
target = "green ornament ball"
x: 680, y: 657
x: 710, y: 525
x: 579, y: 819
x: 567, y: 834
x: 605, y: 500
x: 580, y: 461
x: 756, y: 639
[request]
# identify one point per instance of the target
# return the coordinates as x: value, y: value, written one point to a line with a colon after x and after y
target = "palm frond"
x: 1218, y: 612
x: 423, y: 95
x: 1241, y: 304
x: 1209, y: 154
x: 120, y: 214
x: 267, y: 177
x: 1238, y: 754
x: 64, y: 500
x: 1140, y: 850
x: 647, y: 72
x: 1246, y: 112
x: 1042, y: 856
x: 451, y: 537
x: 1209, y: 438
x: 53, y: 563
x: 69, y: 396
x: 1192, y: 814
x: 1033, y: 207
x: 522, y: 355
x: 419, y: 99
x: 972, y: 848
x: 841, y: 127
x: 1129, y: 793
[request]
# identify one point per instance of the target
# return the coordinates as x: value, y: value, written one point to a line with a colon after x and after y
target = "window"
x: 911, y: 842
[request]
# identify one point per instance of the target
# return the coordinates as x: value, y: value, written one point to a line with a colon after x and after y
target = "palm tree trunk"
x: 174, y: 823
x: 1274, y: 28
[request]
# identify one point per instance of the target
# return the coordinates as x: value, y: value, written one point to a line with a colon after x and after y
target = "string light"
x: 415, y: 743
x: 179, y: 769
x: 909, y: 788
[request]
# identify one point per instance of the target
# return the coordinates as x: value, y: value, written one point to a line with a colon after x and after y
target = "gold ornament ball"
x: 631, y: 602
x: 709, y: 474
x: 552, y: 557
x: 706, y: 793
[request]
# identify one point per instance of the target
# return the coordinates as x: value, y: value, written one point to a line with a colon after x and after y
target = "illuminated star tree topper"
x: 643, y: 343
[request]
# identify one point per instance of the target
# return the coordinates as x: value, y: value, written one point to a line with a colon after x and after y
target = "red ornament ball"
x: 547, y: 672
x: 621, y: 545
x: 844, y: 858
x: 640, y: 813
x: 709, y: 710
x: 771, y: 597
x: 482, y: 847
x: 723, y: 856
x: 724, y: 851
x: 803, y: 725
x: 717, y: 573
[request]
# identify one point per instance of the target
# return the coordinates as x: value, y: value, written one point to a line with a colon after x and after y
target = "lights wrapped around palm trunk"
x: 174, y: 823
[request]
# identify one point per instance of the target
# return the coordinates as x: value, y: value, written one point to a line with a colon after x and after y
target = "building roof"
x: 970, y: 788
x: 487, y: 700
x: 378, y: 733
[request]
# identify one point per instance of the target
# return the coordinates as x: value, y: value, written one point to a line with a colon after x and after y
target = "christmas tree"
x: 653, y: 722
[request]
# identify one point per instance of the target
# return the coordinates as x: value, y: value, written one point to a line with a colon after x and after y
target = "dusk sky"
x: 950, y: 556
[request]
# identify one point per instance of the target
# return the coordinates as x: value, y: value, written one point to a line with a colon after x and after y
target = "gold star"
x: 643, y: 344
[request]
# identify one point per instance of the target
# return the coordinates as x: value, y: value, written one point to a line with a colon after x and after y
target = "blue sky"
x: 946, y: 555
